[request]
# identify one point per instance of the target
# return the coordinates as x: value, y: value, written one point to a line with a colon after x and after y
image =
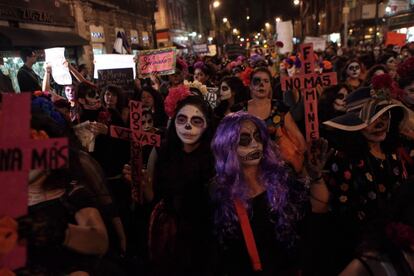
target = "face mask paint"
x: 225, y: 92
x: 353, y: 70
x: 260, y: 85
x: 147, y: 122
x: 339, y: 103
x: 70, y: 93
x: 250, y: 148
x: 190, y: 124
x: 377, y: 131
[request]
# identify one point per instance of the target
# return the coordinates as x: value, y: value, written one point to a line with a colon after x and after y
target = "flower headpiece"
x: 406, y: 69
x: 382, y: 85
x: 175, y: 95
x: 197, y: 85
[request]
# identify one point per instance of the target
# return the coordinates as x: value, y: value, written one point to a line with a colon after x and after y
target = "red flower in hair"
x: 175, y: 95
x: 381, y: 81
x: 245, y: 76
x: 406, y: 69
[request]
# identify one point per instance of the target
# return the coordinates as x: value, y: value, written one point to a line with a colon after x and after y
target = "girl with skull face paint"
x: 252, y: 177
x: 352, y: 73
x: 367, y: 170
x: 179, y: 228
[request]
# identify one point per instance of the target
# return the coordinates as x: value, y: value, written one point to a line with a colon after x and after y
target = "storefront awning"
x: 12, y: 38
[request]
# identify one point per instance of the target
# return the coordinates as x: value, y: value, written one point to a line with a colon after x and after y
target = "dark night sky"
x: 260, y: 11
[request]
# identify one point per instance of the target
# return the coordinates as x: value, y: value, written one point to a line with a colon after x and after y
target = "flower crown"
x: 197, y: 85
x: 175, y: 95
x: 382, y: 86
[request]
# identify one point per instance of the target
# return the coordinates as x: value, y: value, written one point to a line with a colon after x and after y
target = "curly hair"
x: 283, y: 199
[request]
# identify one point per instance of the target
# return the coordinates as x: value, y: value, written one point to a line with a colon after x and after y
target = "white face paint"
x: 353, y: 70
x: 291, y: 71
x: 408, y: 96
x: 250, y: 149
x: 376, y: 132
x: 190, y: 124
x: 339, y: 103
x: 225, y: 91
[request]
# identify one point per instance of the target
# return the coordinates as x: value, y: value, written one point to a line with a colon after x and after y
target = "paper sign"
x: 308, y: 81
x: 160, y: 61
x: 200, y: 48
x: 60, y: 72
x: 113, y: 61
x: 394, y: 38
x: 18, y: 155
x: 285, y: 35
x: 123, y: 77
x: 319, y: 43
x: 85, y: 136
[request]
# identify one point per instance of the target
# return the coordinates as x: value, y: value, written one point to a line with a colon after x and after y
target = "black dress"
x: 181, y: 183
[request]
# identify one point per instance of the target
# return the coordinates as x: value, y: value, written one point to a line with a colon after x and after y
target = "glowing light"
x: 216, y: 4
x: 278, y: 19
x: 296, y: 2
x: 225, y: 20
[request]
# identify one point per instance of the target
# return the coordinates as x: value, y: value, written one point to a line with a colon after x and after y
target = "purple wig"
x: 284, y: 202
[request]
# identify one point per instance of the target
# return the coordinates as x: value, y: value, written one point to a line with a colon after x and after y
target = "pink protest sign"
x: 138, y: 138
x: 159, y: 61
x: 18, y: 155
x: 307, y: 81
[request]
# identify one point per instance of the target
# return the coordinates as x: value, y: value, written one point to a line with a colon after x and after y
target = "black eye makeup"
x: 196, y: 121
x: 246, y: 139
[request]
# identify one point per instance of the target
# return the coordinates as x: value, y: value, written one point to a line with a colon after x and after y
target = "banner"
x: 60, y: 72
x: 319, y: 43
x: 160, y: 61
x: 284, y: 31
x: 113, y: 61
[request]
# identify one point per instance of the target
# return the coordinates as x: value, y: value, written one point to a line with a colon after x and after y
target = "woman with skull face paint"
x: 352, y: 74
x: 367, y: 170
x: 280, y: 124
x: 258, y: 203
x: 180, y: 230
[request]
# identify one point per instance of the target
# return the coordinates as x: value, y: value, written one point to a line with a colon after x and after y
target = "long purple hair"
x: 284, y: 200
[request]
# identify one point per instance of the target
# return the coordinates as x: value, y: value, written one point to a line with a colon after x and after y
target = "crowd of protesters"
x: 234, y: 188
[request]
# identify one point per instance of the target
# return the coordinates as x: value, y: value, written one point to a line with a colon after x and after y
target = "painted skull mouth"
x: 254, y: 155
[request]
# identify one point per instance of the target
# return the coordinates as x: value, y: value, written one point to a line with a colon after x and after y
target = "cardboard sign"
x: 60, y: 72
x: 160, y: 61
x: 394, y: 38
x: 200, y: 48
x: 138, y: 138
x: 113, y: 61
x: 122, y: 77
x: 319, y: 43
x: 307, y: 81
x: 18, y: 155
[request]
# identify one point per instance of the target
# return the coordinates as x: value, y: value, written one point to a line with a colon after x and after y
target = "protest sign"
x: 200, y: 48
x: 394, y: 38
x: 319, y: 43
x: 308, y: 81
x: 285, y: 34
x: 138, y: 138
x: 113, y: 61
x: 60, y: 72
x: 159, y: 61
x: 18, y: 155
x: 122, y: 77
x: 85, y: 135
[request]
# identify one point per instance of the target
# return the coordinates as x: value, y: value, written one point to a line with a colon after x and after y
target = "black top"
x: 61, y: 211
x: 28, y: 80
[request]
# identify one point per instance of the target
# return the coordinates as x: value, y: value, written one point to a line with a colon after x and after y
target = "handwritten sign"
x: 122, y: 77
x: 56, y: 58
x: 319, y: 43
x: 160, y: 61
x: 307, y: 81
x: 18, y: 155
x: 284, y: 31
x: 138, y: 138
x: 200, y: 48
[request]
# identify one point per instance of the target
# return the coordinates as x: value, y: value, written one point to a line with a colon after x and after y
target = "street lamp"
x: 225, y: 20
x: 296, y: 2
x: 216, y: 4
x: 235, y: 31
x: 267, y: 25
x: 247, y: 17
x: 278, y: 19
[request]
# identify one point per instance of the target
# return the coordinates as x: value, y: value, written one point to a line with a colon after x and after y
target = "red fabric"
x: 248, y: 235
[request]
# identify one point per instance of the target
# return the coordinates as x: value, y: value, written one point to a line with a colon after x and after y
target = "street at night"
x: 206, y: 137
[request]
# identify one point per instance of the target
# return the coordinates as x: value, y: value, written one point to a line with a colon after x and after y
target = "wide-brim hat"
x: 363, y: 107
